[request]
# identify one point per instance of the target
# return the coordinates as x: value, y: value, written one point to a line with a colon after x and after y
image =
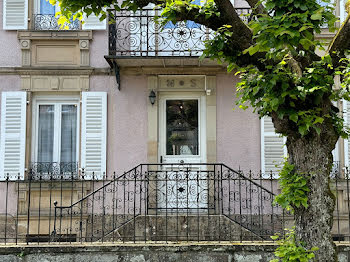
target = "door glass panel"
x: 46, y: 133
x: 68, y: 137
x: 182, y: 127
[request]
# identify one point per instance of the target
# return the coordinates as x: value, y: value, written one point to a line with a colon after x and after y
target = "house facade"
x: 125, y: 62
x: 98, y: 99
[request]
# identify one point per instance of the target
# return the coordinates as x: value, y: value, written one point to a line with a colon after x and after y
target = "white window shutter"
x: 273, y: 149
x: 13, y: 134
x: 15, y: 14
x: 92, y: 22
x: 94, y: 134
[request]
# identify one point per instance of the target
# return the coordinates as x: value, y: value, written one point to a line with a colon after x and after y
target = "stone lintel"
x: 56, y: 35
x: 55, y: 82
x: 54, y: 71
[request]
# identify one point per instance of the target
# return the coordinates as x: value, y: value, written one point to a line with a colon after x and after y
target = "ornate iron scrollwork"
x: 137, y: 34
x: 53, y: 170
x: 49, y: 22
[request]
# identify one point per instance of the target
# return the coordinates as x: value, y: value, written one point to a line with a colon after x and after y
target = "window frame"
x: 36, y: 7
x: 57, y: 101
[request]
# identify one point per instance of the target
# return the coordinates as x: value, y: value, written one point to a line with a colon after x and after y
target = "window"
x: 182, y: 127
x: 44, y: 17
x: 55, y: 134
x: 60, y: 141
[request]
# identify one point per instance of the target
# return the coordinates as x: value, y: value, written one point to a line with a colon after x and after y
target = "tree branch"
x: 242, y: 37
x: 257, y: 9
x: 340, y: 43
x: 241, y: 33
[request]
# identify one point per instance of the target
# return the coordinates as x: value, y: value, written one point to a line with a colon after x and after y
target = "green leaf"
x: 316, y: 16
x: 252, y: 50
x: 294, y: 118
x: 275, y: 237
x: 302, y: 130
x: 306, y: 43
x: 318, y: 120
x: 230, y: 67
x: 88, y: 11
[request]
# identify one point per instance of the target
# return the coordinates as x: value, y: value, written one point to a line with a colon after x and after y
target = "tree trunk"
x: 312, y: 156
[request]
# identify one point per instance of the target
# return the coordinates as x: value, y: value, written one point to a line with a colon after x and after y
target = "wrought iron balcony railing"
x: 137, y: 34
x: 49, y: 22
x: 53, y: 170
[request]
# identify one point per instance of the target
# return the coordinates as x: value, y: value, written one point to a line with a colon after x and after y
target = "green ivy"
x: 294, y: 188
x: 290, y: 250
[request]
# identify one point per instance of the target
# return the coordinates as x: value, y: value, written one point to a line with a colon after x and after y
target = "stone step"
x: 181, y: 228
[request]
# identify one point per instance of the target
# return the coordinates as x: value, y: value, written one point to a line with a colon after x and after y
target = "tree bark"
x: 312, y: 156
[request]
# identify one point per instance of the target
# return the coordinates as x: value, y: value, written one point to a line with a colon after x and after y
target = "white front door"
x: 182, y: 138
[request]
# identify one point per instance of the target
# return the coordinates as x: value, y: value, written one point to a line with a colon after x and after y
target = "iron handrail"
x: 163, y: 164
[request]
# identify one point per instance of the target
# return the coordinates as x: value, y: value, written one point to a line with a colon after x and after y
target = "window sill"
x: 54, y: 34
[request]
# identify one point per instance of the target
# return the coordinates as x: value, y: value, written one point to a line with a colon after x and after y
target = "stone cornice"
x: 53, y: 71
x: 54, y: 35
x: 176, y: 70
x: 187, y: 70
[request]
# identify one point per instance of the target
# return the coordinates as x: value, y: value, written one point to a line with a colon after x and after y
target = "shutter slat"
x: 94, y: 131
x: 13, y: 133
x: 273, y: 149
x: 92, y: 22
x: 15, y: 14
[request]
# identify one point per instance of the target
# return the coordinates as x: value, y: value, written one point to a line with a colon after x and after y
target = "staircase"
x: 174, y: 202
x: 181, y: 228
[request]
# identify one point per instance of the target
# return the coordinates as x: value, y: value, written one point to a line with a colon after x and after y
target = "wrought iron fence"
x: 137, y: 34
x: 50, y: 22
x: 153, y: 202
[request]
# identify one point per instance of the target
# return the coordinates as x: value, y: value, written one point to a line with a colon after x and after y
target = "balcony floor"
x: 162, y: 61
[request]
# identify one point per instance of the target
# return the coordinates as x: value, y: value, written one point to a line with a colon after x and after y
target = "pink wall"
x: 99, y: 48
x: 238, y: 131
x: 127, y: 120
x: 9, y: 83
x: 10, y: 53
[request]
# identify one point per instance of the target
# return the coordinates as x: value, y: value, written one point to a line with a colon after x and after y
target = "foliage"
x: 173, y: 7
x: 283, y: 85
x: 291, y: 27
x: 294, y: 188
x: 290, y: 250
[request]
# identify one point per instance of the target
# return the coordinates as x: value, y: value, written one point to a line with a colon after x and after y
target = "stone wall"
x: 204, y: 252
